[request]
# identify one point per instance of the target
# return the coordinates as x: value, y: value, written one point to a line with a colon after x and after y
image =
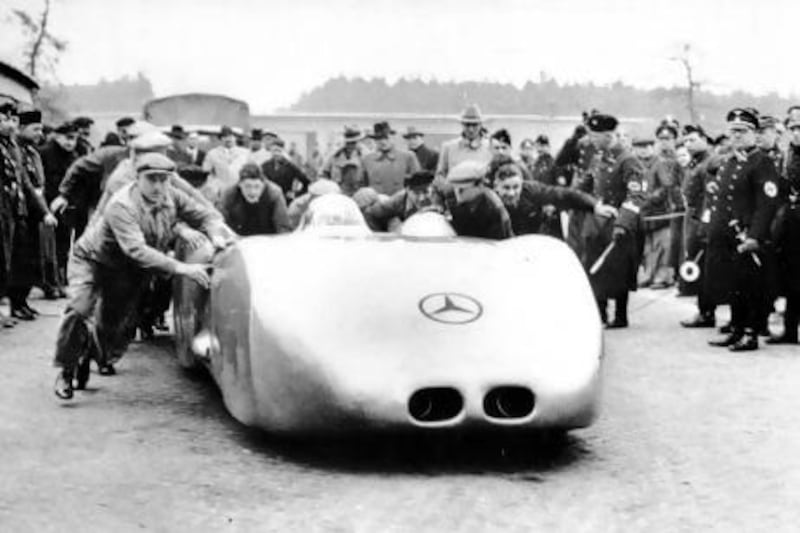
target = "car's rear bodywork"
x: 316, y: 333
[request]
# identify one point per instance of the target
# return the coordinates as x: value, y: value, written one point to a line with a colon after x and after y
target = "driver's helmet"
x: 333, y: 214
x: 427, y: 224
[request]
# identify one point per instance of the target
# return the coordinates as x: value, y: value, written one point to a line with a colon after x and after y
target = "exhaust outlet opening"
x: 435, y: 404
x: 509, y: 402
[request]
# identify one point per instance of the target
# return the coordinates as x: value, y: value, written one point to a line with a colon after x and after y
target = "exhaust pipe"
x: 435, y: 404
x: 509, y: 402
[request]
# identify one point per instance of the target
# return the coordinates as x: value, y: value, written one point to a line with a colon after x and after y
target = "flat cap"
x: 251, y: 171
x: 153, y: 162
x: 150, y: 141
x: 643, y: 141
x: 466, y: 172
x: 422, y: 178
x: 124, y: 122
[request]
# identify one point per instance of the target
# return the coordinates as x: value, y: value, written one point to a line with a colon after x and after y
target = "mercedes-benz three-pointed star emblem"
x: 451, y: 308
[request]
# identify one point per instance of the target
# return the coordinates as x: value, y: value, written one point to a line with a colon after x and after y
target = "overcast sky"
x: 268, y: 52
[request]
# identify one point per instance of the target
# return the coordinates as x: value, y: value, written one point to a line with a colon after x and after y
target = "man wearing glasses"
x: 744, y: 197
x: 471, y: 146
x: 112, y: 260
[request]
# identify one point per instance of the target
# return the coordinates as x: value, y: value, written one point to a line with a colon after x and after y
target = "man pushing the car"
x: 112, y: 260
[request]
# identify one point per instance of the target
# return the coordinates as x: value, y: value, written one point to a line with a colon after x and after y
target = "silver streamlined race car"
x: 336, y: 328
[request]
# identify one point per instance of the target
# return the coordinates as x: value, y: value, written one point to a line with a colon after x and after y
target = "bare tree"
x: 41, y: 44
x: 691, y: 84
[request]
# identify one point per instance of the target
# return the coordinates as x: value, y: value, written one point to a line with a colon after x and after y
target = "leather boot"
x: 63, y: 385
x: 729, y: 340
x: 747, y: 343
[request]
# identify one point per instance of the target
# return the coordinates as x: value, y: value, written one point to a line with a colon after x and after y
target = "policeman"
x: 612, y: 250
x: 787, y: 236
x: 111, y: 262
x: 525, y: 200
x: 474, y: 209
x: 417, y: 195
x: 698, y: 175
x: 744, y: 200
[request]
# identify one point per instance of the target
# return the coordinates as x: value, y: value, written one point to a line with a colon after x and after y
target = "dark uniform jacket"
x: 484, y: 216
x: 527, y: 216
x: 786, y: 227
x: 777, y: 158
x: 619, y: 181
x: 55, y: 161
x: 284, y: 173
x: 85, y: 179
x: 25, y: 265
x: 12, y: 202
x: 694, y: 183
x: 265, y: 217
x: 427, y: 157
x: 83, y: 147
x: 579, y: 155
x: 745, y: 190
x: 542, y: 170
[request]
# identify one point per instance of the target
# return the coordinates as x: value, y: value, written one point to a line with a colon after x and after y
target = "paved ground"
x: 691, y: 439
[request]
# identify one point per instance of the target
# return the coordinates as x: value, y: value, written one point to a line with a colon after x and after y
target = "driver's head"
x: 466, y: 178
x: 419, y: 187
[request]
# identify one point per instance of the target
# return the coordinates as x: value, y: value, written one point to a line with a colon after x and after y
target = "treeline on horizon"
x: 126, y: 94
x: 546, y: 97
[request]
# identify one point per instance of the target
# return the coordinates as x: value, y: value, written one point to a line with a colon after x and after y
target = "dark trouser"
x: 791, y: 315
x: 747, y: 297
x: 48, y: 259
x: 620, y: 308
x: 155, y: 300
x: 63, y: 234
x: 25, y: 271
x: 103, y: 303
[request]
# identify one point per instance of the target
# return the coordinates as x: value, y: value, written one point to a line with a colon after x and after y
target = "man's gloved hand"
x: 749, y: 245
x: 619, y: 233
